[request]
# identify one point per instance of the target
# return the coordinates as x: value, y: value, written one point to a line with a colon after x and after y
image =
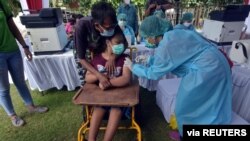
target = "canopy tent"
x: 33, y: 5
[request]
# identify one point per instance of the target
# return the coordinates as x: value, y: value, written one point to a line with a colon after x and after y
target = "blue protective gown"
x: 205, y: 92
x: 191, y: 27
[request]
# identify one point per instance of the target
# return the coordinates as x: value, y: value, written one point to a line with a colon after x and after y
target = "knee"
x: 116, y: 110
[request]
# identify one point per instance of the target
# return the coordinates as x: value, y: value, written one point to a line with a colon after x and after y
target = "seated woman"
x: 127, y: 30
x: 120, y: 77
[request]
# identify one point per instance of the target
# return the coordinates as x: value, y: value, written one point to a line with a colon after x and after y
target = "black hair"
x: 79, y: 16
x: 73, y: 15
x: 101, y: 10
x: 72, y: 21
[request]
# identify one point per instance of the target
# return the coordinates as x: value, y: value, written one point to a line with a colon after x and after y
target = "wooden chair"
x: 91, y: 95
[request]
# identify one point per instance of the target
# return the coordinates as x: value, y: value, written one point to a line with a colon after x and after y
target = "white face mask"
x: 127, y: 1
x: 187, y: 24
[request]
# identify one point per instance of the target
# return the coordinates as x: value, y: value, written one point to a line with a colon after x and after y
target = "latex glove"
x: 128, y: 63
x: 141, y: 59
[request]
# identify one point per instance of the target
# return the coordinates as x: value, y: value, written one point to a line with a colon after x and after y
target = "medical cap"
x: 153, y: 26
x: 187, y: 17
x: 121, y: 16
x: 159, y: 13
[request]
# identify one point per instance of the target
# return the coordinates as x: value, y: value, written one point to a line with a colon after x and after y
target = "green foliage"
x: 68, y: 1
x: 218, y: 3
x: 15, y: 6
x: 85, y: 5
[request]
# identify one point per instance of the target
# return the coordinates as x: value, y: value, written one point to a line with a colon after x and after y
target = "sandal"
x: 38, y: 109
x: 17, y: 121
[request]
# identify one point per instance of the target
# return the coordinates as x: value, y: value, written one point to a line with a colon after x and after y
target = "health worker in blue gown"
x: 187, y: 21
x: 205, y: 92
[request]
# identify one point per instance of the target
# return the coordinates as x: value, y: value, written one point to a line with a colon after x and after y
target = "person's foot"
x: 17, y: 121
x: 38, y: 109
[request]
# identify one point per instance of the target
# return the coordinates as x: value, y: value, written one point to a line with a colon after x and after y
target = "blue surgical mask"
x: 107, y: 33
x: 150, y: 45
x: 118, y: 49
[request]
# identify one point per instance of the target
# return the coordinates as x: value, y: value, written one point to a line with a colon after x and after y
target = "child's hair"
x: 118, y: 36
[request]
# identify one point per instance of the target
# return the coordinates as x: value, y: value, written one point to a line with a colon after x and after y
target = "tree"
x: 85, y: 5
x: 15, y: 6
x: 217, y: 3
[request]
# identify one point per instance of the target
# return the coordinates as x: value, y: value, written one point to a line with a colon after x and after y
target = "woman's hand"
x: 110, y: 64
x: 28, y: 54
x: 101, y: 86
x: 104, y: 81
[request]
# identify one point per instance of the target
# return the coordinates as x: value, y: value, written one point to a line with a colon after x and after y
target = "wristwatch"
x: 26, y: 46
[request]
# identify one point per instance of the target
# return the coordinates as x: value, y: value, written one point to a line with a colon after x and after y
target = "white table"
x: 144, y: 82
x: 166, y: 97
x: 241, y: 91
x: 52, y: 71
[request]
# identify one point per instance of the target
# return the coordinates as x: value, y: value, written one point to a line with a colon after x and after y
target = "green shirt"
x: 7, y: 40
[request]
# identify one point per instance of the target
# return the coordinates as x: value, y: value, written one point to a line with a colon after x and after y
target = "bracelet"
x: 26, y: 47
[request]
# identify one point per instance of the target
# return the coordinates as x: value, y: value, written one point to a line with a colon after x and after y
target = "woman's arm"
x: 14, y: 30
x: 122, y: 80
x: 16, y: 33
x: 89, y: 67
x: 90, y: 77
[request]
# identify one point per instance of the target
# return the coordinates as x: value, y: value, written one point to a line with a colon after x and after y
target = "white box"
x: 219, y: 31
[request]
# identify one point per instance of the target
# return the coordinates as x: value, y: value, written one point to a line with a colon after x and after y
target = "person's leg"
x: 95, y: 122
x: 5, y: 99
x: 113, y: 122
x: 15, y: 65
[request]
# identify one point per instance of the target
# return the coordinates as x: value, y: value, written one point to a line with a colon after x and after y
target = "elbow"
x: 88, y: 80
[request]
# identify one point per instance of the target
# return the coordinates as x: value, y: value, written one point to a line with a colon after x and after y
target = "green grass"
x: 64, y: 118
